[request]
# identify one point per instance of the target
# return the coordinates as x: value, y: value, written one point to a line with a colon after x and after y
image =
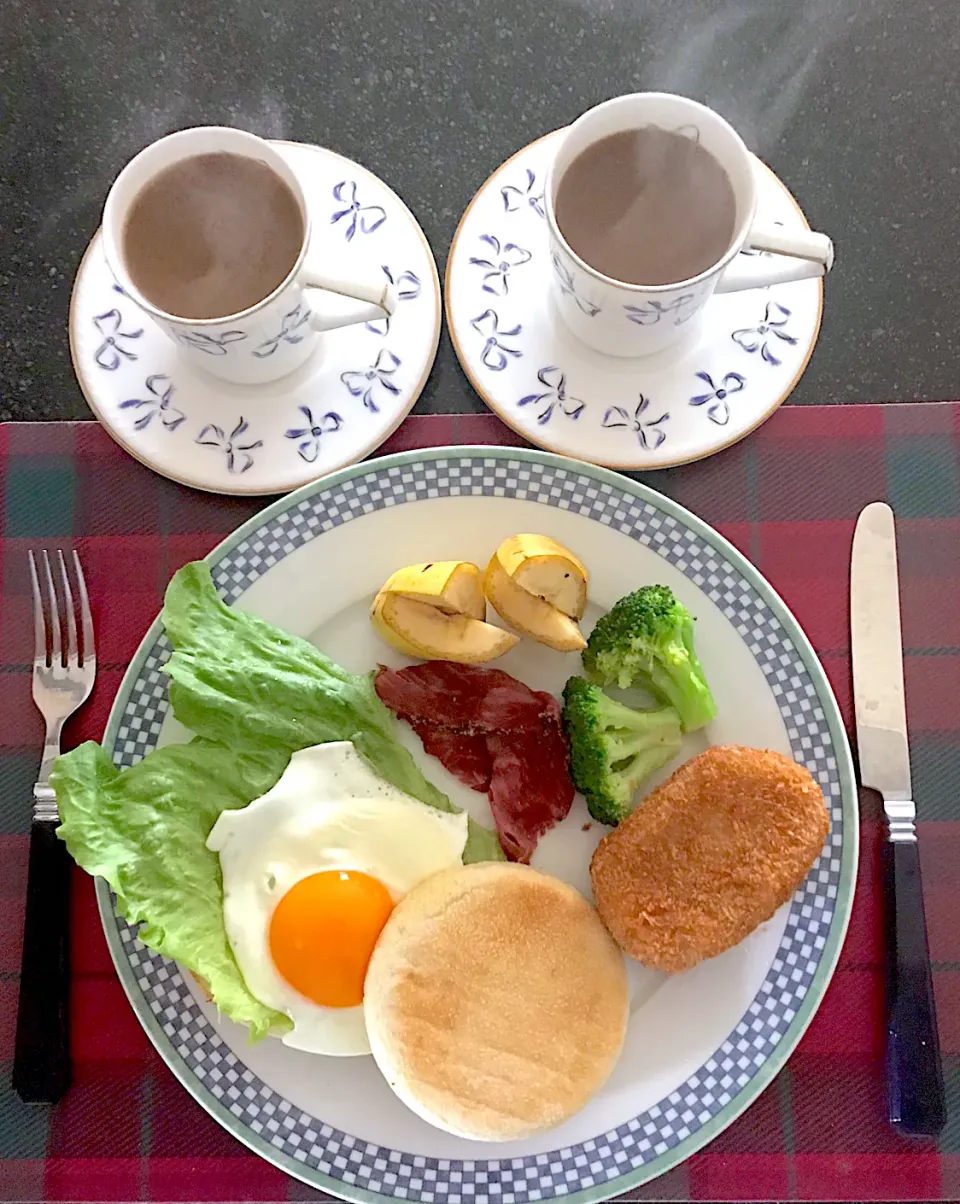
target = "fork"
x: 63, y: 677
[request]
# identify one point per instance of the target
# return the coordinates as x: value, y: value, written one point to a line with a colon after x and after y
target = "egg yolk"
x: 323, y: 931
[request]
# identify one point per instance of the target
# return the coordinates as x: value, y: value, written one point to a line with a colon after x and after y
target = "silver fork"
x: 64, y: 669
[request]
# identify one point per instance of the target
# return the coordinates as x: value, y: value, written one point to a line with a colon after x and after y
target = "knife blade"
x: 915, y: 1091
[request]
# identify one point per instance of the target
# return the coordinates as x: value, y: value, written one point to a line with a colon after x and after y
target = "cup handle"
x: 376, y: 300
x: 798, y: 255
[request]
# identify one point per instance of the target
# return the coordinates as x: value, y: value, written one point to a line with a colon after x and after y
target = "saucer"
x: 335, y: 409
x: 688, y: 401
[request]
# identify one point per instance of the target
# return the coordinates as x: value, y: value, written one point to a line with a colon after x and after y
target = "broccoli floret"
x: 613, y: 747
x: 647, y: 640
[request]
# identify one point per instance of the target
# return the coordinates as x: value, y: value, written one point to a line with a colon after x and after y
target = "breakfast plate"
x: 700, y: 1046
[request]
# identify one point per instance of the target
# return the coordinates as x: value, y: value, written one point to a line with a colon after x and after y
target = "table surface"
x: 849, y: 100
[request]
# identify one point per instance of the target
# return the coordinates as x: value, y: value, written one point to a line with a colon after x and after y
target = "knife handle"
x: 914, y: 1073
x: 41, y: 1057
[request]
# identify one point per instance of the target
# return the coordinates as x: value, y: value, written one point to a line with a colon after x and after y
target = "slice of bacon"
x: 494, y: 734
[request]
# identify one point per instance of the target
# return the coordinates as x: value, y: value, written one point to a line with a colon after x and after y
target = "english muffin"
x: 496, y: 1001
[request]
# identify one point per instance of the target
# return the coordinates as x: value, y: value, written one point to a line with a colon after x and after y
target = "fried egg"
x: 311, y: 871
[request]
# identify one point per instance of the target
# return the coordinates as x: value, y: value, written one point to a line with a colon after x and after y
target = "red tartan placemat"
x: 788, y: 498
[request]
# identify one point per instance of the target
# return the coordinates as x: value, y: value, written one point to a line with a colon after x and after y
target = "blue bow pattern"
x: 407, y: 286
x: 157, y: 405
x: 555, y: 399
x: 237, y: 454
x: 716, y: 400
x: 515, y: 198
x: 367, y: 384
x: 111, y: 353
x: 495, y: 355
x: 651, y: 312
x: 497, y: 270
x: 646, y: 429
x: 365, y: 217
x: 310, y: 435
x: 287, y: 333
x: 213, y: 344
x: 761, y: 338
x: 568, y: 287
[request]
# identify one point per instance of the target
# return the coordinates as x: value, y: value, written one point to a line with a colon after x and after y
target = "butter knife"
x: 914, y: 1073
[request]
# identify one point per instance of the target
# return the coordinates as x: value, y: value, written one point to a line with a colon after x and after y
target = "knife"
x: 914, y: 1073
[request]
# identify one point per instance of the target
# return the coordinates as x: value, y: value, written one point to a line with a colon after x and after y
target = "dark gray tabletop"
x: 853, y: 102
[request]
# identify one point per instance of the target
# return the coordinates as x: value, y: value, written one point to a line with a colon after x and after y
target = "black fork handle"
x: 41, y: 1059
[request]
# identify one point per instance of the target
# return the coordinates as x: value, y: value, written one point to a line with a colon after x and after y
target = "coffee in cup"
x: 647, y: 206
x: 211, y: 235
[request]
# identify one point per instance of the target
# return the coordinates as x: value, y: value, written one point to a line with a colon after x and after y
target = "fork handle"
x: 41, y: 1059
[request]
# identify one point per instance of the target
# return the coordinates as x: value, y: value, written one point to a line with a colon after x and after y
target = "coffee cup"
x: 275, y: 334
x: 617, y: 317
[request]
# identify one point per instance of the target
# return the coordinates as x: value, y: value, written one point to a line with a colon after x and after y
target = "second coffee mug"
x: 277, y: 333
x: 619, y: 318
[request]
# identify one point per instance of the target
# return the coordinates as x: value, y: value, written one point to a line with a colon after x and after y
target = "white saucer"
x: 698, y: 396
x: 352, y: 393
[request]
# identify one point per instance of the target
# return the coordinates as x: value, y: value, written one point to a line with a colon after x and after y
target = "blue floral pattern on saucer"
x: 374, y: 384
x: 158, y: 405
x: 309, y: 436
x: 496, y: 354
x: 555, y: 399
x: 496, y: 271
x: 237, y: 454
x: 648, y: 430
x: 355, y: 216
x: 764, y: 337
x: 114, y: 349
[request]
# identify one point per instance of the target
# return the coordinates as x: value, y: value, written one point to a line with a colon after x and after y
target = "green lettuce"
x: 144, y: 830
x: 241, y: 681
x: 254, y: 695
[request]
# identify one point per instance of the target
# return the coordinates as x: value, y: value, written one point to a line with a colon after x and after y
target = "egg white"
x: 329, y: 811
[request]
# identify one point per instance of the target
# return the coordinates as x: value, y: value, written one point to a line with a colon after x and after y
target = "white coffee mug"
x: 275, y: 336
x: 624, y: 319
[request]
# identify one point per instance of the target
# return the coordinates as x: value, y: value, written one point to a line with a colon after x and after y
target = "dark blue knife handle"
x: 914, y: 1073
x: 41, y: 1057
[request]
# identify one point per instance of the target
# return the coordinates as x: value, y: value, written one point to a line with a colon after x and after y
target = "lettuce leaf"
x: 239, y: 680
x: 144, y: 830
x: 254, y: 695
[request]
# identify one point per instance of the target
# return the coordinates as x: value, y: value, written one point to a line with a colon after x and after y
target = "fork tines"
x: 55, y: 623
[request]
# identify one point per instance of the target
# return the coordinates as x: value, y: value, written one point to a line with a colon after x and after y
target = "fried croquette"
x: 708, y: 856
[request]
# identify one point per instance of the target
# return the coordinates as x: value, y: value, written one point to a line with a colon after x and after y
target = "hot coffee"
x: 646, y: 206
x: 211, y: 235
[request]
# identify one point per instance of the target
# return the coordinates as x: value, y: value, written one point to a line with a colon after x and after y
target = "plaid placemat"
x: 788, y: 498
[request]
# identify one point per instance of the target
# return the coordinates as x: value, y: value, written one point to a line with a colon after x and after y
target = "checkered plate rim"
x: 746, y: 1061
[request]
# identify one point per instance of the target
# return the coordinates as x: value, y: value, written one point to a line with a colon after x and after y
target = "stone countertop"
x: 850, y: 101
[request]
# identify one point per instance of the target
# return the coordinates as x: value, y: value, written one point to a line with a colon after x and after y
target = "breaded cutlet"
x: 708, y: 856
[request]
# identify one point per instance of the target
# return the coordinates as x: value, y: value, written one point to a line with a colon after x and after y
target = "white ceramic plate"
x: 741, y: 358
x: 700, y: 1046
x: 352, y: 393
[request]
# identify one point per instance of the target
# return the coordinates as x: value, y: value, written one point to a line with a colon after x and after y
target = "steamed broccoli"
x: 647, y: 640
x: 613, y: 747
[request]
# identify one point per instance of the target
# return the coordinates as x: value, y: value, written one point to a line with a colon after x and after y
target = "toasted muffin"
x: 496, y: 1001
x: 708, y: 856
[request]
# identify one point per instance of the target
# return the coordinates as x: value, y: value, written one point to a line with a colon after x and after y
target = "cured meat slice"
x: 494, y: 734
x: 464, y: 698
x: 530, y: 788
x: 466, y: 757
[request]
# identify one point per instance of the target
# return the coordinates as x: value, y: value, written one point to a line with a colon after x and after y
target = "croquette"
x: 708, y: 856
